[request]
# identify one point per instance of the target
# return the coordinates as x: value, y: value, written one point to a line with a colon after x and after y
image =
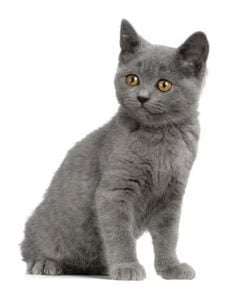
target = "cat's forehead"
x: 152, y: 60
x: 155, y: 57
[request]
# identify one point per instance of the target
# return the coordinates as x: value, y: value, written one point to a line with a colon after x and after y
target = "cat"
x: 128, y: 176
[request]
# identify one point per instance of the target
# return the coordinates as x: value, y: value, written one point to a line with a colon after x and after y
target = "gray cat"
x: 128, y: 176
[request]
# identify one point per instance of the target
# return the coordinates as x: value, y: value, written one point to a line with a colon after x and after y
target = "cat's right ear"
x: 129, y: 40
x: 192, y: 54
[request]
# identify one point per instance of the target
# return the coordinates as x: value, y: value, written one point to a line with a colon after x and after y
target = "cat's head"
x: 158, y: 84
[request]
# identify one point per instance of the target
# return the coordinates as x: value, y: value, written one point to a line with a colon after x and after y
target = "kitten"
x: 128, y: 176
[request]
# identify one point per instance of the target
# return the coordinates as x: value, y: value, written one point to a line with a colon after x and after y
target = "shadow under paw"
x: 180, y: 271
x: 128, y: 271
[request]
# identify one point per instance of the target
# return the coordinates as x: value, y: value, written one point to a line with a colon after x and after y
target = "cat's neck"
x: 126, y: 119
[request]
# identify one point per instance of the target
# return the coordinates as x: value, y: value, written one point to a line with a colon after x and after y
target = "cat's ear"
x: 129, y: 39
x: 194, y: 51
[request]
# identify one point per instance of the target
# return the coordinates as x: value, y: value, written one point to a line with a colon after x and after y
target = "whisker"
x: 131, y: 102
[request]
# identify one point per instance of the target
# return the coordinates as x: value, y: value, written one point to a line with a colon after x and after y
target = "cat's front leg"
x: 163, y: 227
x: 115, y: 218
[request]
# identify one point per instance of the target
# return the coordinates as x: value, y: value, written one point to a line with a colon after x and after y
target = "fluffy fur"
x: 128, y: 176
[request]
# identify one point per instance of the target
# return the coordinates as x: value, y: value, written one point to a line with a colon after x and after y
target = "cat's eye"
x: 132, y: 80
x: 164, y: 85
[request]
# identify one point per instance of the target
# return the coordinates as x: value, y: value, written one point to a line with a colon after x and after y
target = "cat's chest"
x: 163, y: 153
x: 167, y: 160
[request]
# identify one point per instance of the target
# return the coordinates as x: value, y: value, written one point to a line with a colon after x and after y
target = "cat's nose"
x: 142, y: 99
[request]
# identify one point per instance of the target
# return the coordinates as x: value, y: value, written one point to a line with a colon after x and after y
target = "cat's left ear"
x: 129, y: 40
x: 194, y: 51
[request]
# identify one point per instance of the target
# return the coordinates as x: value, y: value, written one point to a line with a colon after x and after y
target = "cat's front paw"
x: 44, y: 267
x: 180, y: 271
x: 127, y: 271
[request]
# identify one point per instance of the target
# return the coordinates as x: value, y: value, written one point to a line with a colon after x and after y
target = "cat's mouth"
x: 154, y: 113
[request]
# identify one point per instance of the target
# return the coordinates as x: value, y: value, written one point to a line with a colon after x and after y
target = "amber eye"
x: 132, y: 80
x: 164, y: 85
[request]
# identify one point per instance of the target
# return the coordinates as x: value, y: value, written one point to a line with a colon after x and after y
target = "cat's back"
x: 89, y: 148
x: 74, y: 183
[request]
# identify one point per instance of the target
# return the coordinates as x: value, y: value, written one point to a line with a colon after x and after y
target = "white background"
x: 57, y: 63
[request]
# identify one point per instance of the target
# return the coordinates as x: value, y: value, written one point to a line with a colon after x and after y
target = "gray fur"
x: 128, y: 176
